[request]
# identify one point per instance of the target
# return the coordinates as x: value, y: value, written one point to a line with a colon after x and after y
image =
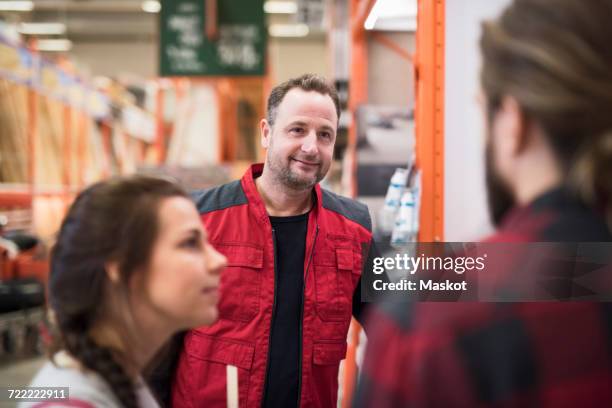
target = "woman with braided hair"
x: 132, y: 266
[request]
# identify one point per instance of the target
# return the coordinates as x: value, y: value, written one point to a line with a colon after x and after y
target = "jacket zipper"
x: 302, y: 317
x: 271, y: 321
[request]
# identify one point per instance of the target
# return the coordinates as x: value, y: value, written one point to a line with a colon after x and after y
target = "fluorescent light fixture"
x: 16, y: 5
x: 42, y: 28
x: 102, y: 82
x: 288, y: 30
x: 151, y: 6
x: 373, y: 16
x: 280, y: 7
x: 392, y: 14
x: 54, y: 45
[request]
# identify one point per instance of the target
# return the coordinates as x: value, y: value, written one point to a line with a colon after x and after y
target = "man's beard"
x: 290, y: 179
x: 499, y: 195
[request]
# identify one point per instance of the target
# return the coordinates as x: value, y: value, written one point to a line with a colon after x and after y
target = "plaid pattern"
x: 555, y: 354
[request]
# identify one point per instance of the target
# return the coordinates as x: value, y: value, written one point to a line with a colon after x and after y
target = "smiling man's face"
x: 301, y: 141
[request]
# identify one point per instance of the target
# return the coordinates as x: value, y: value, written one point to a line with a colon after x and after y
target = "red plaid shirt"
x: 554, y: 354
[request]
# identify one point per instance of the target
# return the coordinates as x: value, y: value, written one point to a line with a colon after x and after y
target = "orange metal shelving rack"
x: 429, y: 126
x: 429, y: 116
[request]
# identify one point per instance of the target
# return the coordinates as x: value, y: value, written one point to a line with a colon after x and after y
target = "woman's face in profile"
x: 183, y: 277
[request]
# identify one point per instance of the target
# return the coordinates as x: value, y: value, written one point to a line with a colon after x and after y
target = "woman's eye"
x: 190, y: 243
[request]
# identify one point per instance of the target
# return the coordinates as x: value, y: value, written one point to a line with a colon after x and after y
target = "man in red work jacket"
x: 295, y: 256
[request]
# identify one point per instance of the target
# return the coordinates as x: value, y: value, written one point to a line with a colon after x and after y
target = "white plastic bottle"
x: 392, y: 199
x: 404, y: 230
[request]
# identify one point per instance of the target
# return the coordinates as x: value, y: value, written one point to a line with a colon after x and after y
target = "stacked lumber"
x: 13, y: 132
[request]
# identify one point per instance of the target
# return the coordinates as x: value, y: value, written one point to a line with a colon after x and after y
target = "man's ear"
x: 266, y: 133
x: 513, y: 125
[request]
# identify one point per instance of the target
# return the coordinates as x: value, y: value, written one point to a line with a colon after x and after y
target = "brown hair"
x: 112, y: 221
x: 307, y: 82
x: 554, y: 57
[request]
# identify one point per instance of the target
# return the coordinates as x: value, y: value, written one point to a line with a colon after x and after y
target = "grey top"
x: 84, y: 385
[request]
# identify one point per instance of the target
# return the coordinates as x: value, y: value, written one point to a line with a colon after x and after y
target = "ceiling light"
x: 288, y: 30
x: 151, y: 6
x: 54, y: 45
x: 280, y: 7
x: 42, y: 28
x: 373, y: 16
x: 102, y: 82
x: 16, y: 5
x: 395, y: 15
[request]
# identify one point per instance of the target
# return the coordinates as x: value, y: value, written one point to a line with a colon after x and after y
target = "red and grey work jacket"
x: 337, y: 245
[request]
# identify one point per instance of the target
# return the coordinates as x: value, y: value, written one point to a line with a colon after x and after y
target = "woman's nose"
x: 216, y: 261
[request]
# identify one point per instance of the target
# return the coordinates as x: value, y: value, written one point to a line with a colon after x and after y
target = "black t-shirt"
x: 282, y: 388
x: 286, y: 338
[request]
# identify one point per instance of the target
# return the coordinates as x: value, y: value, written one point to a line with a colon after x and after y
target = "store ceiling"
x: 104, y: 20
x: 99, y: 20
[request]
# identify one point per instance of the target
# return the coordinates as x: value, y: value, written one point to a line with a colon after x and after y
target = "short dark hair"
x: 306, y: 82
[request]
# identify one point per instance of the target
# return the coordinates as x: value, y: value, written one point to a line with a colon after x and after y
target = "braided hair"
x: 111, y: 221
x: 100, y: 359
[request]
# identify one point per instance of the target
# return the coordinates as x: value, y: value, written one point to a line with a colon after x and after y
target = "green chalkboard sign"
x: 239, y: 48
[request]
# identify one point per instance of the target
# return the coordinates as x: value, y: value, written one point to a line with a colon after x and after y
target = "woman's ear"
x: 514, y: 125
x: 112, y: 271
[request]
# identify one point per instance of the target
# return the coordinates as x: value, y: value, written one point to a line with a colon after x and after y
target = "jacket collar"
x: 554, y: 200
x: 250, y: 190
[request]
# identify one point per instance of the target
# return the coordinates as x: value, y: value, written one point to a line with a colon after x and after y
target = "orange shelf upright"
x: 429, y: 116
